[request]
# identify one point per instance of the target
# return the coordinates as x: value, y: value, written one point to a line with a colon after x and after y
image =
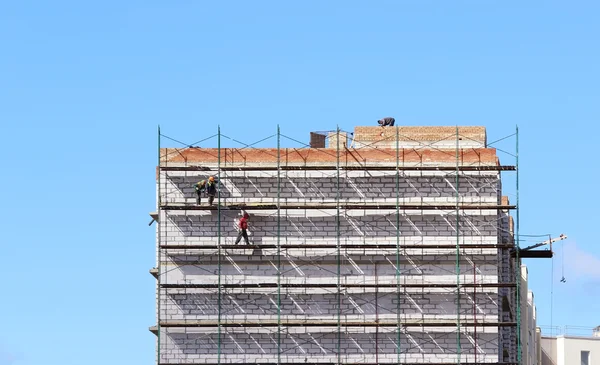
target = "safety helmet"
x: 211, y: 178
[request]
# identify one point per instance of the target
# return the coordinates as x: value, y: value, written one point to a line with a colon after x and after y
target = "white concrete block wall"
x: 323, y: 346
x: 368, y: 306
x: 177, y: 187
x: 322, y: 270
x: 319, y: 266
x: 201, y: 227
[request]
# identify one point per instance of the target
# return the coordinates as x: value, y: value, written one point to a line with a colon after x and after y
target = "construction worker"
x: 386, y: 121
x: 243, y: 225
x: 200, y: 187
x: 211, y: 189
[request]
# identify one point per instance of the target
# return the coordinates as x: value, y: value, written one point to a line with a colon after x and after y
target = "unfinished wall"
x: 418, y: 137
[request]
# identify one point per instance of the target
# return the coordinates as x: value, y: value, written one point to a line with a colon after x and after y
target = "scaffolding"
x: 381, y: 253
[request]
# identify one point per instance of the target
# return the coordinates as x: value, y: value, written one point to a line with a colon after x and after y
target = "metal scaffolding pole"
x: 278, y: 247
x: 518, y: 258
x: 457, y: 181
x: 337, y: 230
x: 371, y: 206
x: 220, y: 252
x: 159, y: 253
x: 398, y: 306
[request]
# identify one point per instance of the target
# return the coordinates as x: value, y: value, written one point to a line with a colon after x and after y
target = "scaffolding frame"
x: 341, y: 250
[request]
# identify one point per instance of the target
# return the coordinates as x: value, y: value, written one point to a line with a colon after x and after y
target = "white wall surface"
x: 568, y: 350
x: 301, y: 268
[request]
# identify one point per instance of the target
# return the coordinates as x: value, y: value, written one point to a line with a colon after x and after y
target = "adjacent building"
x: 571, y: 350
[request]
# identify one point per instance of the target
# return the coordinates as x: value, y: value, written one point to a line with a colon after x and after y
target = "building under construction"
x: 386, y: 245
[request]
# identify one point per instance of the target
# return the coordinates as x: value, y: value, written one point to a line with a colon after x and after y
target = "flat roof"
x: 572, y: 337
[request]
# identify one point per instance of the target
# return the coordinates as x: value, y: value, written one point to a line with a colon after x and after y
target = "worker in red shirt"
x: 243, y: 229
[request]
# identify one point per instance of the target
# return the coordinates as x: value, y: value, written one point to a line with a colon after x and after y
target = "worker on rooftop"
x: 387, y: 121
x: 211, y: 189
x: 243, y: 225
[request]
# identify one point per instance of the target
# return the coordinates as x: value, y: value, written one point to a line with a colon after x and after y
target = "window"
x: 585, y: 358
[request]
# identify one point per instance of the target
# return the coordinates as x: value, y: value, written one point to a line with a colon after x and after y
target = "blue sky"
x: 84, y: 86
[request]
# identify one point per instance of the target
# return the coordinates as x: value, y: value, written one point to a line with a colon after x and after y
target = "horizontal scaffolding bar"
x: 341, y: 363
x: 332, y: 285
x: 358, y: 206
x: 305, y: 323
x: 333, y: 167
x: 345, y: 246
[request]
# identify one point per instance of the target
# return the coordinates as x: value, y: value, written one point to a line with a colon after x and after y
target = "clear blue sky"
x: 84, y: 86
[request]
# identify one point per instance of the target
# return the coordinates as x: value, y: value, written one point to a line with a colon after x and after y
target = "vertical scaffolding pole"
x: 159, y: 255
x: 278, y: 247
x: 337, y: 230
x: 518, y: 258
x: 474, y: 309
x: 398, y: 307
x: 457, y: 183
x: 219, y: 253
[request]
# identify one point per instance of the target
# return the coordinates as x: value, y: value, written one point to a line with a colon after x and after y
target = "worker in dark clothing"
x: 211, y: 189
x: 200, y: 187
x: 388, y: 121
x: 243, y: 229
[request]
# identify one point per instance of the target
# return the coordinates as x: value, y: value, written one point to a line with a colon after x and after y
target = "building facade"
x: 394, y: 245
x: 530, y: 332
x: 571, y: 350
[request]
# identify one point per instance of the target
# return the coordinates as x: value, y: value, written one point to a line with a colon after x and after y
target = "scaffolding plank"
x: 364, y: 206
x: 333, y: 285
x: 534, y: 254
x: 333, y: 167
x: 342, y: 245
x: 340, y: 363
x: 326, y: 323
